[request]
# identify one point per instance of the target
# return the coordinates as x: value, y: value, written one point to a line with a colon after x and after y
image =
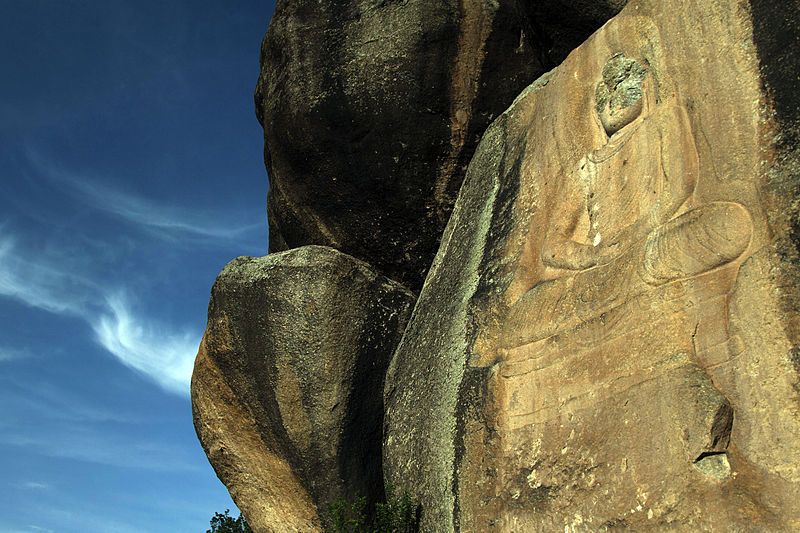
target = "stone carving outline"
x: 637, y: 224
x: 633, y: 299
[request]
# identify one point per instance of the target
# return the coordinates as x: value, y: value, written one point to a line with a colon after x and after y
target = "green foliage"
x: 223, y: 523
x: 396, y: 515
x: 349, y: 517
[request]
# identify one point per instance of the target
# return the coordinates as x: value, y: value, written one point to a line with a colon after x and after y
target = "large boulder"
x: 372, y: 110
x: 287, y: 385
x: 608, y: 336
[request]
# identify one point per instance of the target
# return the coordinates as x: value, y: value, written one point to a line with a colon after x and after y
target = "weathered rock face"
x: 372, y: 110
x: 611, y: 324
x: 287, y: 385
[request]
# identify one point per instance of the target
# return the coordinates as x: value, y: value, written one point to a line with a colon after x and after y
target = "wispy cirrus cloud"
x: 63, y: 276
x: 98, y: 446
x: 79, y: 519
x: 39, y: 282
x: 38, y: 529
x: 31, y: 529
x: 11, y: 354
x: 159, y: 351
x: 41, y: 400
x: 168, y: 222
x: 34, y: 485
x: 72, y: 425
x: 162, y: 354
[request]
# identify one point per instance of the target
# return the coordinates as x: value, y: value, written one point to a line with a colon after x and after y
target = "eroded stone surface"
x: 372, y: 110
x: 287, y: 385
x: 609, y: 321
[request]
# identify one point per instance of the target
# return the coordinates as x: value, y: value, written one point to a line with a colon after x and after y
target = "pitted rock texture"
x: 287, y: 386
x: 611, y: 321
x: 372, y: 110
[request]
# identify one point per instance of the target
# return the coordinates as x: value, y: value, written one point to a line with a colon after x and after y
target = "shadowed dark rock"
x: 372, y: 110
x: 287, y: 387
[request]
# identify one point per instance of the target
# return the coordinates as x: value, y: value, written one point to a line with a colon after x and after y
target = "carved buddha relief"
x: 631, y: 221
x: 628, y: 299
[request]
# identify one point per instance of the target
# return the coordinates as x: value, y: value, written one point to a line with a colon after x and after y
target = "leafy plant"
x: 224, y: 523
x: 349, y: 516
x: 396, y: 515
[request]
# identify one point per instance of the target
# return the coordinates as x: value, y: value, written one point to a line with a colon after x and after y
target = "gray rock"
x: 287, y: 388
x: 429, y: 386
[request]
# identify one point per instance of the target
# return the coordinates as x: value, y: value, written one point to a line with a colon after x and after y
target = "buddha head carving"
x: 619, y: 95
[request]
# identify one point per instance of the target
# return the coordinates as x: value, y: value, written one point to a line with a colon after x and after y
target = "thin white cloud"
x: 11, y: 354
x: 70, y: 428
x: 50, y: 278
x: 34, y: 485
x: 38, y: 283
x: 29, y: 529
x: 165, y: 356
x: 81, y: 519
x: 97, y: 445
x: 40, y: 400
x: 41, y: 529
x: 162, y: 353
x: 170, y: 222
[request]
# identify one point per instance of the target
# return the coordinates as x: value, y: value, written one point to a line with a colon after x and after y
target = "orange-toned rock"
x: 611, y: 323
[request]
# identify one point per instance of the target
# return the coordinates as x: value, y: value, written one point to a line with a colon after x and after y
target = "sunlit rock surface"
x: 610, y: 325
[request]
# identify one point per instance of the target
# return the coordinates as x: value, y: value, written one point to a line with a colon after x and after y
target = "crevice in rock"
x: 721, y: 427
x: 705, y: 455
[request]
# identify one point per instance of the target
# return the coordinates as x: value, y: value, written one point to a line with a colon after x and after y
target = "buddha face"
x: 619, y: 95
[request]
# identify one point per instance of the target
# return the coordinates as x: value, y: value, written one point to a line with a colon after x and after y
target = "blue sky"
x: 131, y: 171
